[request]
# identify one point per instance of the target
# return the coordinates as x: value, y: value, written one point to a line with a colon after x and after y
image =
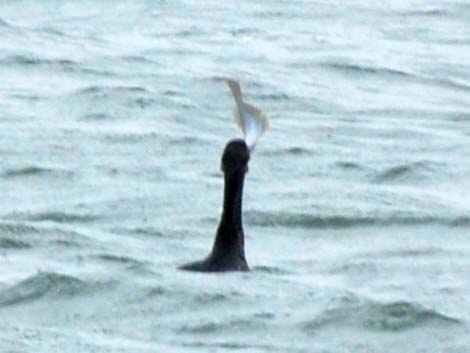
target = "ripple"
x: 51, y: 30
x: 101, y: 91
x: 147, y: 231
x: 138, y: 59
x: 35, y: 171
x: 18, y: 229
x: 131, y: 137
x: 118, y: 259
x: 19, y: 235
x: 97, y: 98
x: 6, y: 24
x: 380, y: 72
x: 152, y: 136
x: 26, y: 171
x: 273, y: 96
x: 211, y: 327
x: 407, y: 172
x: 26, y: 97
x: 45, y: 284
x: 156, y: 291
x: 449, y: 83
x: 362, y: 69
x: 66, y: 65
x: 8, y: 243
x: 349, y: 165
x: 294, y: 151
x: 244, y: 31
x: 394, y: 316
x: 216, y: 346
x: 426, y: 252
x: 270, y: 270
x: 424, y: 13
x: 54, y: 216
x: 305, y: 220
x: 302, y: 220
x: 461, y: 222
x: 97, y: 116
x: 25, y: 60
x: 358, y: 267
x: 211, y: 298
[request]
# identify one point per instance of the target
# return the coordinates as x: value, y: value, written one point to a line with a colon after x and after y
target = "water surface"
x: 113, y: 118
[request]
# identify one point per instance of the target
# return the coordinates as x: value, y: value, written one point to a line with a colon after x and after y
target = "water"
x: 113, y: 118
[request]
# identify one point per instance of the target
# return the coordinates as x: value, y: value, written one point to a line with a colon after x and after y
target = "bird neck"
x: 233, y: 194
x: 230, y: 235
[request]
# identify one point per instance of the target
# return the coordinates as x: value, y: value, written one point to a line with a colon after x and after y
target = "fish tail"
x: 236, y: 91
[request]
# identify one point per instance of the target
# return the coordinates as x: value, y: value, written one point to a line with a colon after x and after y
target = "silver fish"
x: 252, y: 121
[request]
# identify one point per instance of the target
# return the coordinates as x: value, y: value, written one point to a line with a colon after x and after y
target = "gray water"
x: 113, y: 118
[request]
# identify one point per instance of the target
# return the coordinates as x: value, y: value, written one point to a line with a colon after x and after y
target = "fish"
x: 251, y: 120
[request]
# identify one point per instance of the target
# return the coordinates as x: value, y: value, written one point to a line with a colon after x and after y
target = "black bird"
x: 228, y: 251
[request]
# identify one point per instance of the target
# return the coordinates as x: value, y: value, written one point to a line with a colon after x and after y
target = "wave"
x: 10, y: 26
x: 8, y: 243
x: 424, y: 13
x: 355, y: 69
x: 9, y: 232
x: 18, y: 229
x: 45, y: 284
x: 147, y: 231
x: 125, y: 260
x: 54, y: 216
x: 426, y: 252
x: 27, y: 60
x: 413, y: 171
x: 4, y: 24
x: 349, y: 165
x: 244, y: 31
x: 294, y: 151
x: 65, y: 65
x: 138, y: 59
x: 171, y: 93
x: 130, y: 96
x: 461, y: 222
x: 19, y: 235
x: 34, y: 171
x: 270, y: 270
x: 272, y: 97
x: 445, y: 82
x: 393, y: 316
x: 157, y: 291
x: 212, y: 298
x: 108, y: 90
x: 26, y: 171
x: 97, y: 116
x: 63, y: 217
x: 132, y: 137
x: 224, y: 326
x: 304, y: 220
x: 210, y: 346
x: 52, y: 31
x: 362, y: 69
x: 26, y: 97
